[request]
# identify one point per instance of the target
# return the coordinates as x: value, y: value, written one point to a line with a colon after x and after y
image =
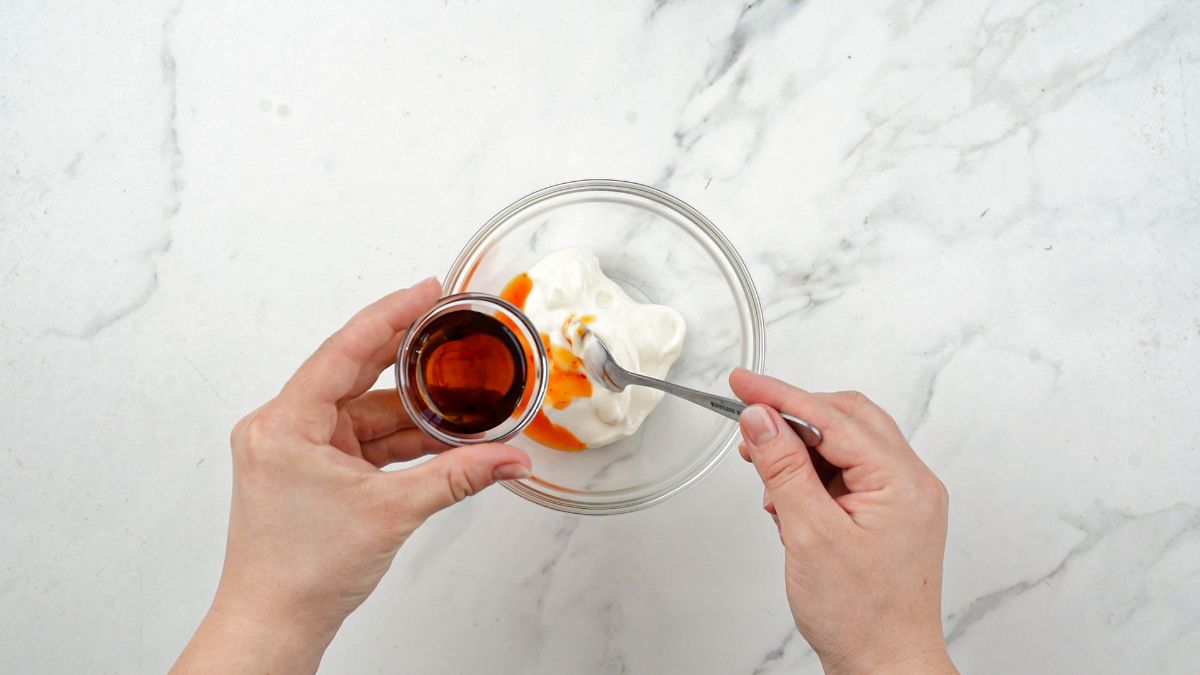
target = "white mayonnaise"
x: 569, y: 287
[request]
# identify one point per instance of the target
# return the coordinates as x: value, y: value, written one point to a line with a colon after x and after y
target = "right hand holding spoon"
x: 863, y: 566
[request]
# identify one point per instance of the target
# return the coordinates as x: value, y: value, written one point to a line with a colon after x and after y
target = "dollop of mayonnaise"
x: 569, y: 288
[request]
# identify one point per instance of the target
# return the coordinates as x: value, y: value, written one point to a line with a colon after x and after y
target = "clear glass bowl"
x: 660, y: 250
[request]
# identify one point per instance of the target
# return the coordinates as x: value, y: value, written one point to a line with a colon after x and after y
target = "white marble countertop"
x: 984, y: 215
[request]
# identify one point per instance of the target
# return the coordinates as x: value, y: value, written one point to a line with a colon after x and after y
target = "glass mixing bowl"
x: 660, y: 250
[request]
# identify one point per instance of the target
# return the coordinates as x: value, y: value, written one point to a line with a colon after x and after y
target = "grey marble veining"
x: 984, y: 215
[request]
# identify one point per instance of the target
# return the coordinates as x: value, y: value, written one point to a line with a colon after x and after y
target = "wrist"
x: 918, y: 658
x: 256, y: 614
x: 238, y: 638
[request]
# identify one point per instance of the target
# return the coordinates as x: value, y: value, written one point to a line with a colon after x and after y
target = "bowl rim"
x: 470, y: 252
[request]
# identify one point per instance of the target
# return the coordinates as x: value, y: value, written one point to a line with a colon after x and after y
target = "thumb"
x: 783, y: 463
x: 456, y: 474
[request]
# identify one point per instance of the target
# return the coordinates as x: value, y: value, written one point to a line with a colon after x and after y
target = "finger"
x: 785, y: 468
x: 377, y: 414
x: 455, y: 475
x: 769, y: 507
x: 402, y: 446
x: 846, y: 443
x: 744, y: 451
x: 347, y: 363
x: 874, y: 421
x: 826, y: 470
x: 837, y: 487
x: 755, y: 388
x: 768, y: 503
x: 379, y: 361
x: 386, y: 356
x: 856, y: 405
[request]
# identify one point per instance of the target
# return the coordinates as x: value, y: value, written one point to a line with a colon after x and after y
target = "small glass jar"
x: 472, y: 370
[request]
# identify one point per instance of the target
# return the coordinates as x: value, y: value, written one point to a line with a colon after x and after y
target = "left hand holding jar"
x: 314, y: 522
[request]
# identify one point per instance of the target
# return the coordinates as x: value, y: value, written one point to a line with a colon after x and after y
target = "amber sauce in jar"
x: 470, y: 372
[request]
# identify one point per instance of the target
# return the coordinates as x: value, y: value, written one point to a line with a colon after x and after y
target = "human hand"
x: 863, y: 553
x: 314, y: 523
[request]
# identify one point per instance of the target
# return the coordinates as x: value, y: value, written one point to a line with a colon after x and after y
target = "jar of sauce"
x: 472, y: 370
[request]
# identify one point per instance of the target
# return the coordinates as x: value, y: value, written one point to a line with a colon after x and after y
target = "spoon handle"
x: 731, y: 408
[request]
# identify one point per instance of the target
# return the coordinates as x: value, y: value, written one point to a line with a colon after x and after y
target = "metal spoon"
x: 603, y: 368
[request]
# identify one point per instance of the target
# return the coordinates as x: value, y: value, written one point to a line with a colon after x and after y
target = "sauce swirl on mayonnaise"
x: 558, y: 294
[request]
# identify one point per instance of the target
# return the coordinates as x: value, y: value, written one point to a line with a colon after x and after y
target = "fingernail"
x: 510, y: 472
x: 757, y: 426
